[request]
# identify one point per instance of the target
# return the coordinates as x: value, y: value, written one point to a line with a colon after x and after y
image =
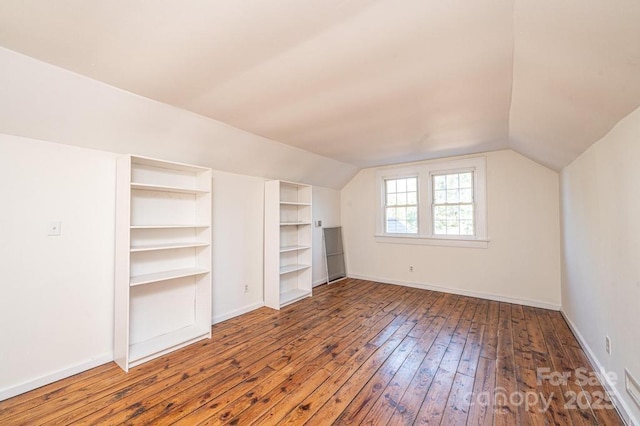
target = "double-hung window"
x: 401, y: 205
x: 436, y: 202
x: 453, y: 204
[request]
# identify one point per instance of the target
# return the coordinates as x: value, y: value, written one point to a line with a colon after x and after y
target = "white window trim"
x: 425, y: 171
x: 398, y: 174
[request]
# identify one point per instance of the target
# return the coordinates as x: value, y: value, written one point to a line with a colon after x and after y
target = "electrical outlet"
x: 410, y: 268
x: 318, y: 223
x: 607, y: 344
x: 246, y: 288
x: 54, y: 229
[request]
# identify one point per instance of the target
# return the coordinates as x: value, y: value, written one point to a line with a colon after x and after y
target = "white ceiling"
x: 366, y: 82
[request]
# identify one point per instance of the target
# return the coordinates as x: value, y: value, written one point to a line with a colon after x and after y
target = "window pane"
x: 453, y: 196
x: 440, y: 227
x: 466, y: 180
x: 466, y: 195
x: 392, y: 222
x: 412, y: 198
x: 412, y: 220
x: 440, y: 197
x: 466, y: 212
x: 440, y: 182
x: 452, y: 181
x: 466, y: 227
x: 402, y: 199
x: 453, y: 227
x: 401, y: 185
x: 452, y: 213
x: 392, y: 200
x: 440, y: 213
x: 401, y: 214
x: 391, y: 186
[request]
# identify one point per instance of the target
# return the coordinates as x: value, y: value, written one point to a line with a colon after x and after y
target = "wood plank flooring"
x: 357, y: 352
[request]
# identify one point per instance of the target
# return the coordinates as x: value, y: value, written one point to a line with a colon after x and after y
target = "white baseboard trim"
x: 227, y: 315
x: 27, y: 386
x: 443, y: 289
x: 616, y: 398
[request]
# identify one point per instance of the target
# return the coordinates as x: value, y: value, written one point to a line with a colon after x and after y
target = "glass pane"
x: 412, y: 198
x: 402, y: 199
x: 440, y: 227
x: 466, y: 212
x: 466, y: 180
x: 453, y: 196
x: 412, y: 184
x: 401, y: 185
x: 452, y: 181
x: 392, y: 200
x: 440, y: 213
x: 466, y: 195
x: 412, y: 220
x: 391, y: 186
x: 401, y: 213
x: 391, y: 220
x: 466, y: 227
x: 452, y: 213
x: 440, y: 182
x: 453, y: 228
x: 440, y: 197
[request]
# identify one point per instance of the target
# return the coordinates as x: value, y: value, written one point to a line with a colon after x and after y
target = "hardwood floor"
x: 356, y: 353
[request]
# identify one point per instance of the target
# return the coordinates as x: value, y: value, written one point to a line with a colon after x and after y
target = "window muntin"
x: 453, y: 204
x: 401, y: 205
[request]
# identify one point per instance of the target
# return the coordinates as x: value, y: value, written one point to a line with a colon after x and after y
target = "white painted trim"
x: 618, y: 402
x: 444, y: 289
x: 428, y: 241
x: 424, y: 171
x: 12, y: 391
x: 237, y: 312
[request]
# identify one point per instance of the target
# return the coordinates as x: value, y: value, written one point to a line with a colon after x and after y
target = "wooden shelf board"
x: 293, y: 248
x: 166, y: 342
x: 166, y: 275
x: 164, y: 188
x: 292, y: 268
x: 153, y: 247
x: 293, y: 295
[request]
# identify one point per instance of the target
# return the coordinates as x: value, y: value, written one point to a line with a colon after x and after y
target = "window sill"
x: 425, y: 241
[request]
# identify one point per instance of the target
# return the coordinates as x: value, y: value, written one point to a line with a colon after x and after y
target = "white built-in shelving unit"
x: 163, y: 258
x: 287, y: 243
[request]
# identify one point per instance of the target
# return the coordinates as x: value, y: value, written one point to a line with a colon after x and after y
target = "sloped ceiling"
x: 361, y: 81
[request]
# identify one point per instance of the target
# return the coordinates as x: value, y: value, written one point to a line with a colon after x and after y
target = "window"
x: 401, y: 205
x: 453, y: 204
x: 439, y: 203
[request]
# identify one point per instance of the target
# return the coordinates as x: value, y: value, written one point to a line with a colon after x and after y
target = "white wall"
x: 601, y: 235
x: 326, y: 207
x: 56, y: 303
x: 57, y: 293
x: 237, y: 233
x: 522, y: 263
